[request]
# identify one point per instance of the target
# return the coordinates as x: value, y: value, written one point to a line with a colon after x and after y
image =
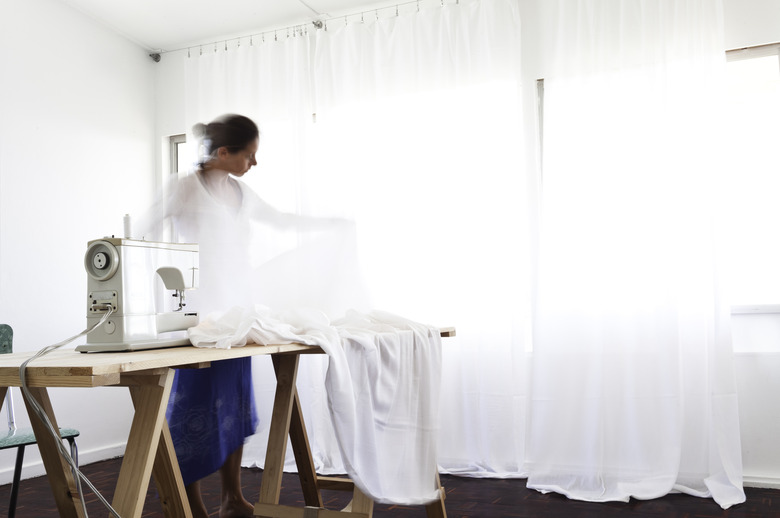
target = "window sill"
x: 755, y: 309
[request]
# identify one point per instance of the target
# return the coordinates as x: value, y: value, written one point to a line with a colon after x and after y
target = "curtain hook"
x: 396, y: 10
x: 225, y: 45
x: 276, y: 38
x: 201, y: 51
x: 188, y: 52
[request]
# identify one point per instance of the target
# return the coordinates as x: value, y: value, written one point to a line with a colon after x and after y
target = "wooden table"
x: 149, y: 376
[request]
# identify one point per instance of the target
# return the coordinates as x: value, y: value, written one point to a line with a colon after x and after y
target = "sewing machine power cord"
x: 39, y: 411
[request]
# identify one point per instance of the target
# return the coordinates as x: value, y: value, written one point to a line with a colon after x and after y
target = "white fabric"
x: 224, y: 233
x: 633, y: 384
x: 251, y: 252
x: 382, y: 381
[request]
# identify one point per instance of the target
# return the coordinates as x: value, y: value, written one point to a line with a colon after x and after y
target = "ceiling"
x: 165, y: 25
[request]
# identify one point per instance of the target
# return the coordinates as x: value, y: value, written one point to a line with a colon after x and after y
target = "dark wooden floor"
x: 466, y: 498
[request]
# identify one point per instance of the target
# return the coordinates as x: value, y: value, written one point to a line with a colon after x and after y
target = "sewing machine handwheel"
x: 101, y: 260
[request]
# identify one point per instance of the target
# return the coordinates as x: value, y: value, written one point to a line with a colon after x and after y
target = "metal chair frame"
x: 19, y: 438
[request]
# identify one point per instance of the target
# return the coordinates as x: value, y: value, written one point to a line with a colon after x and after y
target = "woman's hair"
x: 234, y: 132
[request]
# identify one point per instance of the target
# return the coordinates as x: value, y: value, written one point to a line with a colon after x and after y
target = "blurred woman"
x: 212, y: 411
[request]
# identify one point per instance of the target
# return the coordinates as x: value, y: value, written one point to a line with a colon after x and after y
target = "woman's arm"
x: 263, y: 212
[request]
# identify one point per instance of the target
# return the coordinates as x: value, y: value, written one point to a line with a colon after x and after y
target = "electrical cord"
x: 41, y: 413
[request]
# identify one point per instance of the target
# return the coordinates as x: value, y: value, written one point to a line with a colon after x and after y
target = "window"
x: 180, y: 163
x: 179, y: 155
x: 753, y: 214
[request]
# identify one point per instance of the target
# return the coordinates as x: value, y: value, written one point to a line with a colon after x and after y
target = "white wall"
x: 76, y: 153
x: 751, y: 22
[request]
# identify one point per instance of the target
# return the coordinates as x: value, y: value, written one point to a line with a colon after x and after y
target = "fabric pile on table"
x: 383, y: 384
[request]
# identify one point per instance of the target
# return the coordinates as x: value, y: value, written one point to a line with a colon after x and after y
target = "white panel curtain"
x: 409, y: 125
x: 613, y: 378
x: 633, y: 384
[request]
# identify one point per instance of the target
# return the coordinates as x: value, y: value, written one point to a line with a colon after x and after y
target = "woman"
x: 212, y: 411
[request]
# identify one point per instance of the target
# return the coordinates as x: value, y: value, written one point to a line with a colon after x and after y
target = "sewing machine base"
x: 133, y: 346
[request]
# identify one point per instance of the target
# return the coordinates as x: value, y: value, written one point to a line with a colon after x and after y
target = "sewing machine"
x: 123, y: 275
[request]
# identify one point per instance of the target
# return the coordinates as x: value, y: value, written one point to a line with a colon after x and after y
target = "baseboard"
x: 34, y: 468
x: 761, y: 482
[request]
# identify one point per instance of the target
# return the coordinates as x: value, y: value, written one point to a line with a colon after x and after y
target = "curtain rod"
x: 303, y: 28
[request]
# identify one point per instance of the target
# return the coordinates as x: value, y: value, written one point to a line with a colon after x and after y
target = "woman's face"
x: 240, y: 162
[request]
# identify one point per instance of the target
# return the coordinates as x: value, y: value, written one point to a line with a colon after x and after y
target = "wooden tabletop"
x: 68, y: 368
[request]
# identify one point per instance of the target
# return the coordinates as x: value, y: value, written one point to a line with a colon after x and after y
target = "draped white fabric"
x: 383, y: 383
x: 411, y: 126
x: 632, y: 346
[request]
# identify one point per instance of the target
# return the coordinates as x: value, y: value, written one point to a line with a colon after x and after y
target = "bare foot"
x: 236, y: 509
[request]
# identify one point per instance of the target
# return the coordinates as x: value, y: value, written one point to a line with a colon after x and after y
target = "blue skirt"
x: 210, y: 414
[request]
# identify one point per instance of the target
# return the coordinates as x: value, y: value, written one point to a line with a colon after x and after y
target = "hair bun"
x: 199, y: 129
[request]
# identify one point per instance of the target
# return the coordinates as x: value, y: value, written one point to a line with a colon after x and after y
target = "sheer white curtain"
x: 633, y: 389
x: 410, y: 126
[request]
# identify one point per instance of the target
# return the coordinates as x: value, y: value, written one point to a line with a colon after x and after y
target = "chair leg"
x: 74, y: 454
x: 15, y: 484
x: 74, y: 450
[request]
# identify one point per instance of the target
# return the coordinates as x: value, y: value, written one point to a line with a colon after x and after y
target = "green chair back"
x: 6, y: 339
